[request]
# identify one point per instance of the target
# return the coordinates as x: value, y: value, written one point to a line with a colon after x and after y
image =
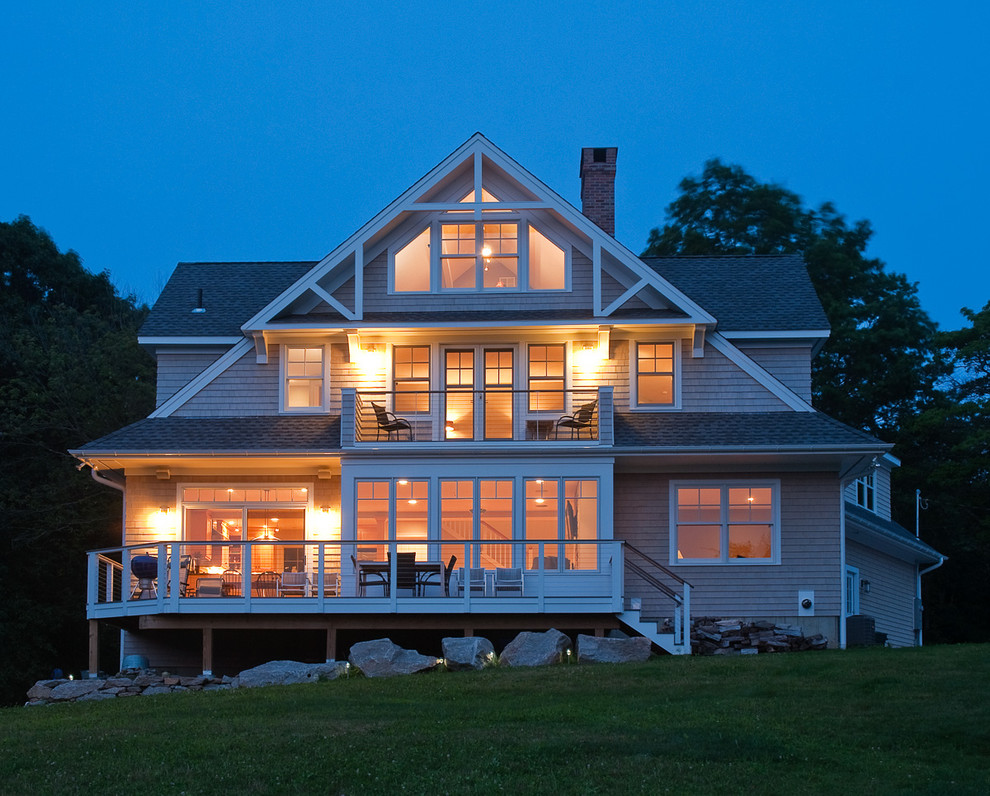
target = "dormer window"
x: 479, y: 256
x: 866, y: 492
x: 303, y: 379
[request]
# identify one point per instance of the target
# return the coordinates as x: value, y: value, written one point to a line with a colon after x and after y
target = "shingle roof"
x: 859, y: 518
x: 747, y: 293
x: 214, y: 435
x: 750, y: 293
x: 232, y: 293
x: 734, y: 430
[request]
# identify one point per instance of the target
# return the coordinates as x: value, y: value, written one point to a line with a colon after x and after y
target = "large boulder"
x: 471, y: 652
x: 382, y: 658
x: 594, y: 649
x: 75, y: 689
x: 535, y: 649
x: 289, y: 673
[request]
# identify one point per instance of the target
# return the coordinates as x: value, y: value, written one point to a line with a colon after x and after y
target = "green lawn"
x: 864, y: 721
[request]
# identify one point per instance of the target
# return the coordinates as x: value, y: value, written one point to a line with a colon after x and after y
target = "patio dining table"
x: 424, y: 571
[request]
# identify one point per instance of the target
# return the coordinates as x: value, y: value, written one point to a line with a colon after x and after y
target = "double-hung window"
x: 411, y: 377
x: 546, y: 378
x: 303, y: 378
x: 725, y: 523
x: 655, y: 365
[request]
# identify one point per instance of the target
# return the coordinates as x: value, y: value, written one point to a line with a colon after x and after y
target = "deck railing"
x: 492, y: 415
x: 358, y: 576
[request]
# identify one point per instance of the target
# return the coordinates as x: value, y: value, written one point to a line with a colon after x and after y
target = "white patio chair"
x: 508, y: 579
x: 294, y: 584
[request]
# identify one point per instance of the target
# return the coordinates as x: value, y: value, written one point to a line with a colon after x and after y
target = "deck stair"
x: 650, y: 573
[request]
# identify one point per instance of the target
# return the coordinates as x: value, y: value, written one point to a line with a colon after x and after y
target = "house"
x: 480, y: 414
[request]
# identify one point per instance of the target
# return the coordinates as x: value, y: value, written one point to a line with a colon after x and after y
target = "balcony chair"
x: 295, y: 584
x: 366, y: 579
x: 233, y: 583
x: 582, y: 419
x: 389, y: 423
x: 266, y: 584
x: 428, y: 577
x: 209, y: 587
x: 508, y: 579
x: 185, y: 564
x: 405, y: 572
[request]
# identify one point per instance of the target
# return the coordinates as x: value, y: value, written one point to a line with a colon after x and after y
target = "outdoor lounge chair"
x: 475, y: 580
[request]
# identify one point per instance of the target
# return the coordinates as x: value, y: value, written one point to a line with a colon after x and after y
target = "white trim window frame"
x: 715, y: 519
x: 852, y: 591
x: 866, y: 492
x: 436, y: 255
x: 307, y: 375
x: 634, y: 387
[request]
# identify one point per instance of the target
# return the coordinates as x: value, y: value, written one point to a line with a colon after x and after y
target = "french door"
x: 478, y: 384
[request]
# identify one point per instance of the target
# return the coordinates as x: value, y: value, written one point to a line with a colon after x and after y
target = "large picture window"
x: 565, y: 511
x: 218, y: 520
x: 724, y: 523
x: 496, y: 254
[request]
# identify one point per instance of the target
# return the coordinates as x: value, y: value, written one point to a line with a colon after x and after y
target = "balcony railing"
x: 356, y: 576
x: 494, y: 415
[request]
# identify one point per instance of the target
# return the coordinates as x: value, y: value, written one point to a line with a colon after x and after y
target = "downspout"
x: 123, y: 533
x: 941, y: 560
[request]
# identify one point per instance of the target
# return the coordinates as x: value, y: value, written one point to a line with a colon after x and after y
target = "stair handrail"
x: 654, y: 563
x: 654, y: 582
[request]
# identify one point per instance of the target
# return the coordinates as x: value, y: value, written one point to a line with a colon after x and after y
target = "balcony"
x: 356, y: 577
x: 492, y: 417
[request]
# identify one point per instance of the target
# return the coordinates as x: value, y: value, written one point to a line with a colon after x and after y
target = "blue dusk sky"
x: 143, y: 134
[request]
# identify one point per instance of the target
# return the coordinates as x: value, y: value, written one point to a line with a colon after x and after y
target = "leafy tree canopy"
x: 70, y: 371
x: 877, y: 366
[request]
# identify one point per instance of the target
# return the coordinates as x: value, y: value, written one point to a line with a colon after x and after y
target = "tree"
x: 946, y: 451
x: 876, y: 367
x: 70, y: 371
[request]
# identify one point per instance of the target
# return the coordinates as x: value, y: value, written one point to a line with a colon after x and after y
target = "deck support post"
x: 94, y: 647
x: 208, y: 651
x: 331, y: 643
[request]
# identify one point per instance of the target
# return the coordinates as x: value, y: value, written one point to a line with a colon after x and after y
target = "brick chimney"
x: 598, y: 186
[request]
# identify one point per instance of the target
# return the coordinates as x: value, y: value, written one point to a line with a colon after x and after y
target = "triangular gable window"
x: 508, y: 255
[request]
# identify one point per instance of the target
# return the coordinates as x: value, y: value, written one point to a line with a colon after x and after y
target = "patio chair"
x: 475, y: 580
x: 508, y: 579
x: 294, y: 584
x: 366, y: 579
x: 405, y: 572
x: 209, y: 587
x: 185, y: 563
x: 266, y: 584
x: 389, y: 423
x: 233, y: 583
x: 428, y: 578
x: 582, y: 419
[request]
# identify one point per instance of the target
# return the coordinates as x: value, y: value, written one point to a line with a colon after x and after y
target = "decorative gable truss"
x: 335, y: 290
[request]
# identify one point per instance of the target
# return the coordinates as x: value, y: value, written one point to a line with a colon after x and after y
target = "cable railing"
x: 493, y: 415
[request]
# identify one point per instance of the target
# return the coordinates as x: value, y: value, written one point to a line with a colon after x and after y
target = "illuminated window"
x: 412, y: 265
x: 547, y: 266
x: 485, y: 250
x: 546, y: 378
x: 411, y: 376
x: 654, y: 374
x: 304, y: 378
x: 724, y: 524
x: 563, y: 511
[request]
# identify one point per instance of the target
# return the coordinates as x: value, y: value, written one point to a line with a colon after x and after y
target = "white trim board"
x: 193, y: 387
